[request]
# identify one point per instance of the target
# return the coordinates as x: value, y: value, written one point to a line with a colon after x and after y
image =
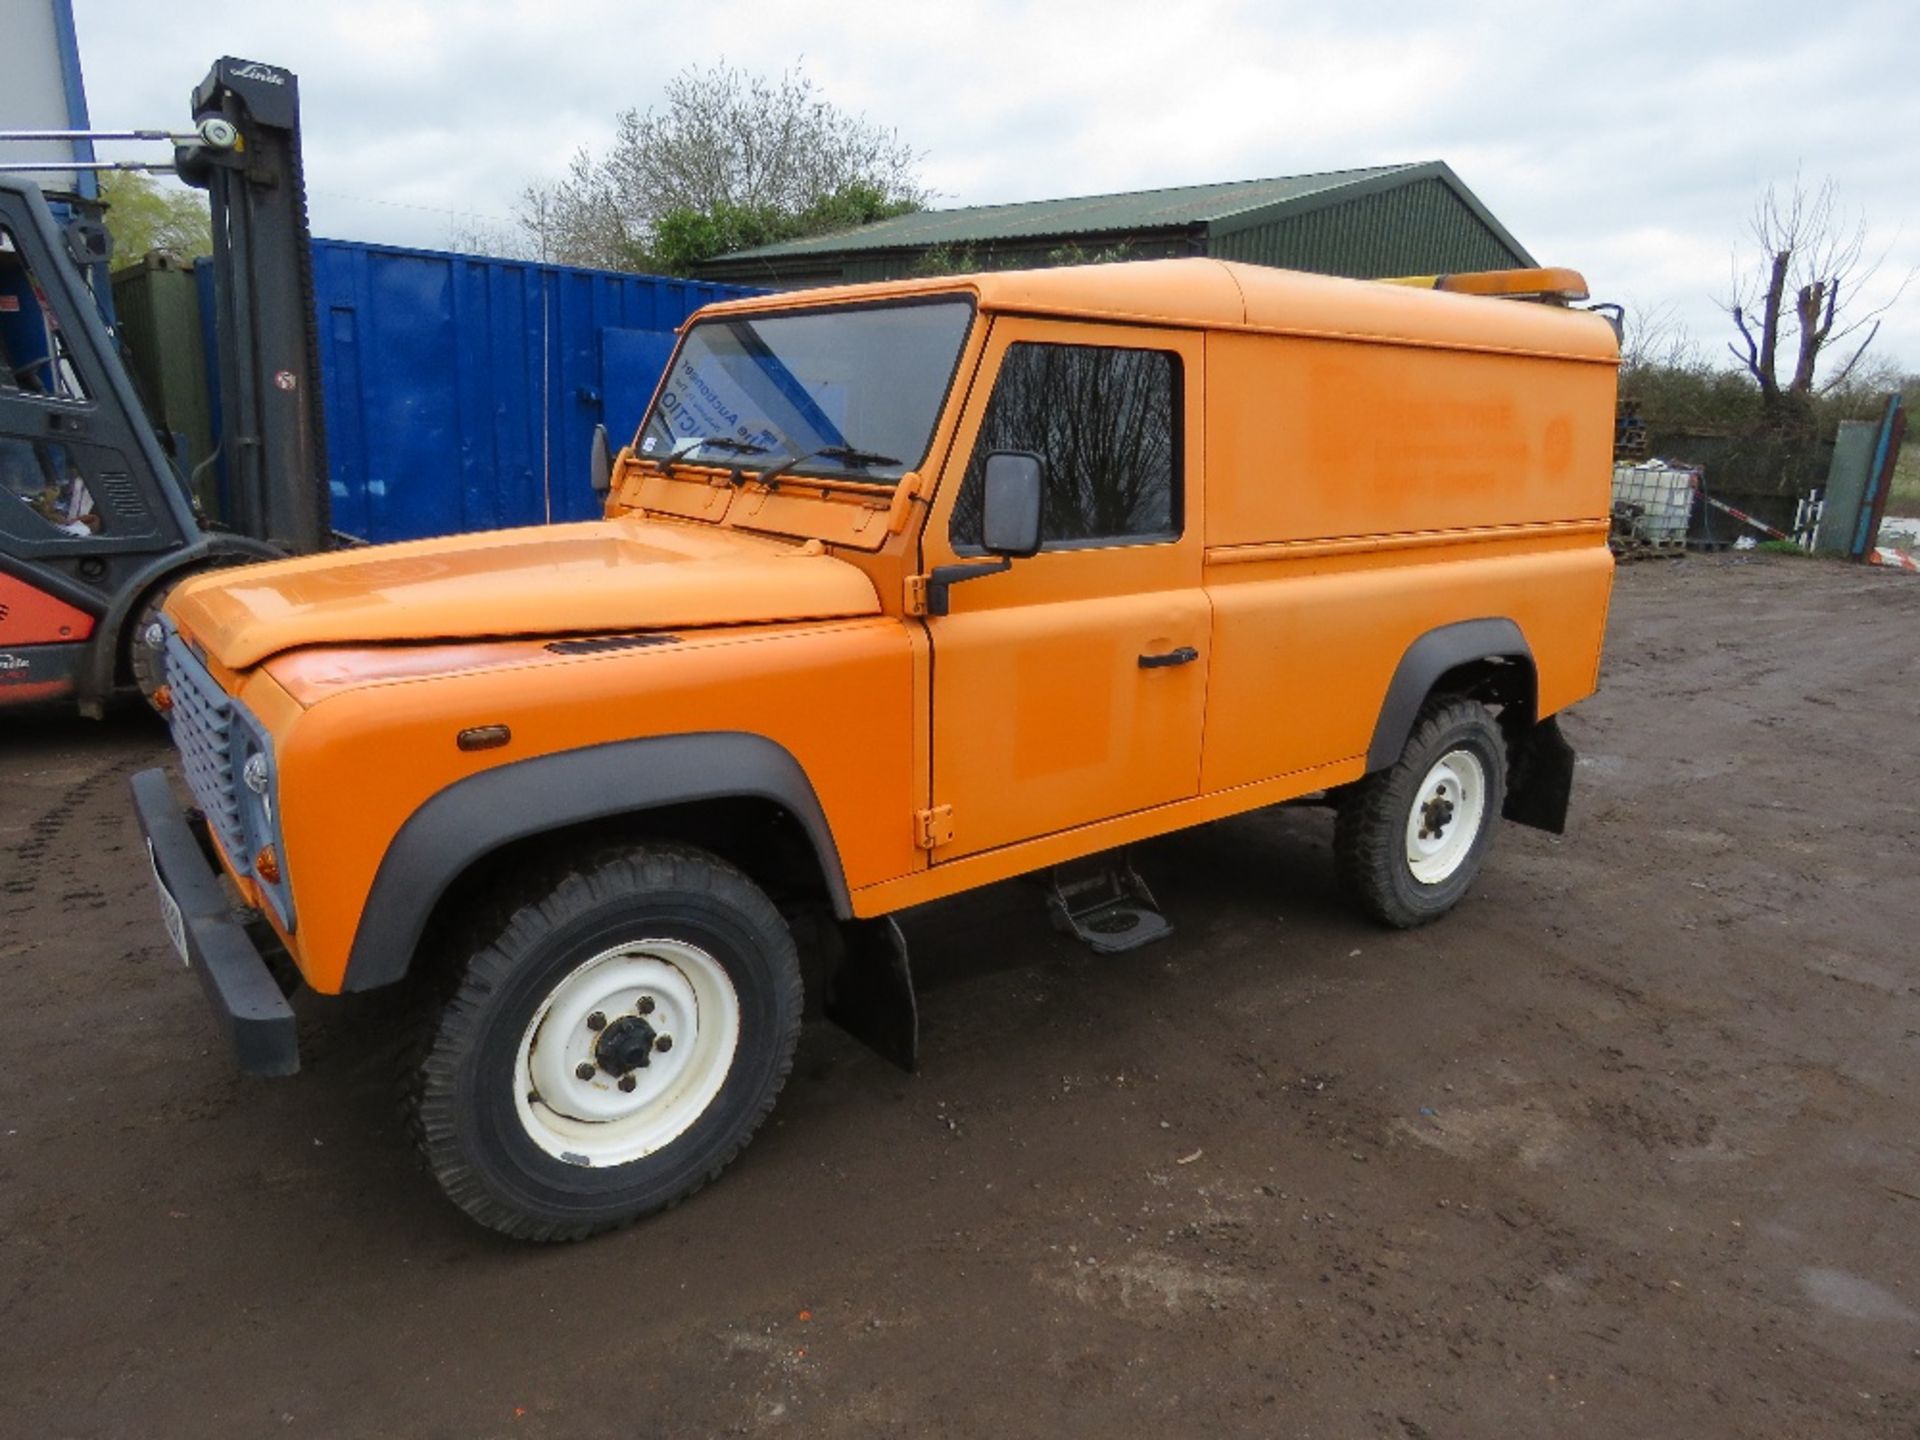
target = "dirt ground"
x: 1624, y: 1147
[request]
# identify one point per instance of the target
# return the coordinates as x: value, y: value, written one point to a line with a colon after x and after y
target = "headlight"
x: 254, y: 773
x: 256, y: 779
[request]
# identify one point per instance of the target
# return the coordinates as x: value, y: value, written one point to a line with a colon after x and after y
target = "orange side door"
x: 1072, y: 687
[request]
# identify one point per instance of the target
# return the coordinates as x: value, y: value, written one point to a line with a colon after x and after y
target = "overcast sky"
x: 1626, y: 140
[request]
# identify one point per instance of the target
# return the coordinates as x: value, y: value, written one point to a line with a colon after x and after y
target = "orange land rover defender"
x: 901, y: 589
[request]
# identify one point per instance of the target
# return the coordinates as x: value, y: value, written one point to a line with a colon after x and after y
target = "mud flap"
x: 1540, y: 778
x: 870, y: 992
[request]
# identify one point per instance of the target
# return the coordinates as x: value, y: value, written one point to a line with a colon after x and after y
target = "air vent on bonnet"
x: 609, y: 642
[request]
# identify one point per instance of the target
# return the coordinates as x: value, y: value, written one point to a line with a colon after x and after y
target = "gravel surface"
x: 1624, y: 1147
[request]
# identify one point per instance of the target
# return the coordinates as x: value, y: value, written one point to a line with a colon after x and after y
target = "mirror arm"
x: 944, y: 577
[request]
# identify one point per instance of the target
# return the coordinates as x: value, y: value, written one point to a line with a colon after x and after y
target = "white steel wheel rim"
x: 1447, y: 812
x: 567, y: 1080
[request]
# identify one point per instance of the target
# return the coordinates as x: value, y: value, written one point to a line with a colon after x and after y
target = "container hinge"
x: 933, y: 828
x: 915, y: 601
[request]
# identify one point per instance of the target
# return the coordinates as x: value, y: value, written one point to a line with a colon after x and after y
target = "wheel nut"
x: 583, y: 1071
x: 665, y: 1042
x: 596, y: 1021
x: 645, y: 1005
x: 627, y: 1083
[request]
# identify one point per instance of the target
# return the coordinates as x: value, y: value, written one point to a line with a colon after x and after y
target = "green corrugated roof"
x: 1086, y: 215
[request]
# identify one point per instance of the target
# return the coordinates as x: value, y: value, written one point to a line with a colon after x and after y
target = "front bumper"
x: 247, y: 1001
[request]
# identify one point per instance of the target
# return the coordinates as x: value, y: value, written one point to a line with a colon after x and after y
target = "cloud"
x: 1628, y: 140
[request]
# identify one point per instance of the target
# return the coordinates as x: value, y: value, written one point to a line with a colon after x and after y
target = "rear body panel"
x: 1364, y: 494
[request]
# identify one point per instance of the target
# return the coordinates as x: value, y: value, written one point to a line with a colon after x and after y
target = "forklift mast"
x: 274, y: 439
x: 96, y: 525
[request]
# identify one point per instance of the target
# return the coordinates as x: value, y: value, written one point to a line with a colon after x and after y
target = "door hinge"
x: 915, y: 600
x: 933, y: 828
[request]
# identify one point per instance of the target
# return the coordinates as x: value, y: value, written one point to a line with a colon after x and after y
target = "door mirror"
x: 602, y: 461
x: 1010, y: 503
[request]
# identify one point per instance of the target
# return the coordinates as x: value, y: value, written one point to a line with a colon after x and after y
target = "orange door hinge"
x: 915, y: 601
x: 933, y: 828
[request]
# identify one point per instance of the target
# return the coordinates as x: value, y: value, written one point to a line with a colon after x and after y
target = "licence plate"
x: 170, y: 915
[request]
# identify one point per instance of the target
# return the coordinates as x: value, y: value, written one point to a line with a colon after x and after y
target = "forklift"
x: 97, y: 520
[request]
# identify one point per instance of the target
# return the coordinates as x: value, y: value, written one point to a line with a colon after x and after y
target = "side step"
x: 1103, y: 900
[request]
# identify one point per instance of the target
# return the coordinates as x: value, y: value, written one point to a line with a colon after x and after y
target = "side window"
x: 33, y: 353
x: 43, y: 479
x: 1106, y: 421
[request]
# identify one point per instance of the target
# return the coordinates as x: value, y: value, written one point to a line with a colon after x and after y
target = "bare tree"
x: 724, y: 143
x: 1656, y: 338
x: 1804, y: 295
x: 474, y: 234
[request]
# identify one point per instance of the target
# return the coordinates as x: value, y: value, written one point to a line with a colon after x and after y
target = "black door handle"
x: 1185, y: 655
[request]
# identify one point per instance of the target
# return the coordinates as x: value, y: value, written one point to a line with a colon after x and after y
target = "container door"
x: 630, y: 366
x: 1071, y: 688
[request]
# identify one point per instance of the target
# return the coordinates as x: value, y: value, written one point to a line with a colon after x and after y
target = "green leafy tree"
x: 731, y: 160
x: 143, y: 215
x: 966, y: 259
x: 683, y: 238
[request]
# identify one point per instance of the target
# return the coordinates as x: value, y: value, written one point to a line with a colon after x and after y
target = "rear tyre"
x: 610, y: 1045
x: 1408, y: 840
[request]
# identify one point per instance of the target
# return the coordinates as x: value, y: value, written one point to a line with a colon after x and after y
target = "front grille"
x: 202, y: 719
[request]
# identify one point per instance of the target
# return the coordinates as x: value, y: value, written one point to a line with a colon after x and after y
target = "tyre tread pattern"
x: 1368, y: 843
x: 498, y: 939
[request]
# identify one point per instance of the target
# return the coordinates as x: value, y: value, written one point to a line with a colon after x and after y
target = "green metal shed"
x: 1383, y: 220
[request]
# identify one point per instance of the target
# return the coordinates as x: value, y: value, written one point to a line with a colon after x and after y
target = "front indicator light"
x: 163, y: 699
x: 267, y: 865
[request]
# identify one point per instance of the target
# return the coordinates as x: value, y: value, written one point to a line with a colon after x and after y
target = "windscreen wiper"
x: 855, y: 458
x: 683, y: 448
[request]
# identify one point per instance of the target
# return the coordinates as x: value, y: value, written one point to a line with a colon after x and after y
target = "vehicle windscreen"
x: 851, y: 392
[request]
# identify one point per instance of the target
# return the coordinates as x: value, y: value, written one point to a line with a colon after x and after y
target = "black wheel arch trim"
x: 474, y: 817
x: 1420, y: 668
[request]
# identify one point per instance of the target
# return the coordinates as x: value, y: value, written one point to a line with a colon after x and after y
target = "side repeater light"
x: 483, y: 737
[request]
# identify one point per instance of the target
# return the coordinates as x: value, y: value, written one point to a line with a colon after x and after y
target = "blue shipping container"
x: 461, y: 391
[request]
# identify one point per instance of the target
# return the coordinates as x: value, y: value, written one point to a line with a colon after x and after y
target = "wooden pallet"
x: 1626, y: 549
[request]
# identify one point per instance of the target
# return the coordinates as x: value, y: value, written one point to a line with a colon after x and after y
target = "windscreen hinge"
x: 933, y: 828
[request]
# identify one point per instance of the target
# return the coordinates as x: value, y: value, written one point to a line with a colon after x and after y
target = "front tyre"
x: 610, y: 1046
x: 146, y: 646
x: 1408, y: 840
